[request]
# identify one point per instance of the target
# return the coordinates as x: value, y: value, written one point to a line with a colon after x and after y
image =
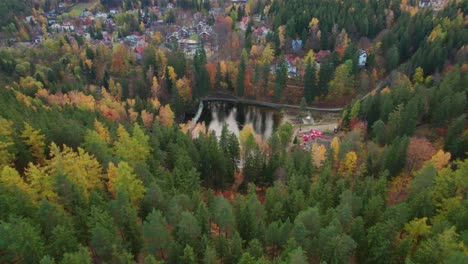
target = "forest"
x: 101, y: 163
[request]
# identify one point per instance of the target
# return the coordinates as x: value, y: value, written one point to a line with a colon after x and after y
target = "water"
x: 264, y: 120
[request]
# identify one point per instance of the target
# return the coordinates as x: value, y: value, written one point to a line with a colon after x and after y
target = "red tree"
x: 419, y: 150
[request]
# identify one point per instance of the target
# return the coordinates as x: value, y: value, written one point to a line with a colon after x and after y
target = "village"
x: 167, y: 26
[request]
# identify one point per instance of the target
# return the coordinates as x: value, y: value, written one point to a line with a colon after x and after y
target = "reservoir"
x: 236, y: 115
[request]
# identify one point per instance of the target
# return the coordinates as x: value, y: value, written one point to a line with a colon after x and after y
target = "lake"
x: 236, y: 115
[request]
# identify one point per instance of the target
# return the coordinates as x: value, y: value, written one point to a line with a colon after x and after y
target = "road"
x: 267, y: 104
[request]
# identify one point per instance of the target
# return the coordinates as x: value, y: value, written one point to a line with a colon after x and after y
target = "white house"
x: 56, y: 26
x: 101, y: 15
x: 362, y: 58
x: 424, y: 3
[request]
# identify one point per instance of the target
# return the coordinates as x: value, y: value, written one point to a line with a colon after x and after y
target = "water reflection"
x: 264, y: 120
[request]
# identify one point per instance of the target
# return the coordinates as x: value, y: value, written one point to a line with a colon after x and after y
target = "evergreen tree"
x: 281, y: 76
x: 325, y: 75
x: 310, y: 82
x: 241, y: 74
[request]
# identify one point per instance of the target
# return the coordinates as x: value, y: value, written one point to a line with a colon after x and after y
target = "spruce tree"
x: 241, y: 74
x: 310, y: 82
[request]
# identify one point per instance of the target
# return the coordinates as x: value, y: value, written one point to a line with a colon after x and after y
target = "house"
x: 362, y: 58
x: 29, y: 19
x: 260, y: 33
x: 109, y: 21
x: 101, y: 15
x: 85, y: 14
x: 38, y: 39
x: 204, y: 35
x: 183, y: 32
x: 292, y: 70
x: 217, y: 11
x: 200, y: 26
x: 139, y: 50
x: 56, y: 26
x: 188, y: 44
x: 173, y: 37
x: 438, y: 4
x: 424, y: 3
x: 113, y: 11
x: 296, y: 45
x: 61, y: 8
x: 67, y: 26
x: 107, y: 37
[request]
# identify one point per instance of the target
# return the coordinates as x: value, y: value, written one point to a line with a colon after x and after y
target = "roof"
x: 139, y: 49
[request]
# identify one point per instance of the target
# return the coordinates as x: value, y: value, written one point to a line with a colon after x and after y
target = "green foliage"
x: 311, y: 88
x: 241, y: 74
x: 20, y: 241
x: 86, y: 176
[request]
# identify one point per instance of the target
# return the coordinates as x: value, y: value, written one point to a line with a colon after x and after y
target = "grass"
x: 79, y: 8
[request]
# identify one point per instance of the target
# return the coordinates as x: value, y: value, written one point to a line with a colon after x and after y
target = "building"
x: 187, y: 44
x: 67, y: 26
x: 174, y: 37
x: 296, y: 45
x: 183, y: 32
x: 424, y: 3
x: 204, y: 35
x: 292, y: 70
x: 362, y: 58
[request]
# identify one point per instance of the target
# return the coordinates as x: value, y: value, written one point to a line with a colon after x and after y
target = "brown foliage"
x: 419, y: 150
x: 211, y: 68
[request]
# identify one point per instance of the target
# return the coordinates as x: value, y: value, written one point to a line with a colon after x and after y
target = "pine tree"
x: 281, y: 76
x: 325, y: 75
x: 241, y: 74
x: 310, y: 82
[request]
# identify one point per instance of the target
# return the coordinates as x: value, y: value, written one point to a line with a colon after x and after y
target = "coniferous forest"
x: 101, y: 160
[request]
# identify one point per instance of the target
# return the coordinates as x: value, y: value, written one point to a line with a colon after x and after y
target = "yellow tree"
x: 318, y: 154
x: 335, y: 145
x: 342, y: 82
x: 166, y: 116
x: 123, y: 179
x: 245, y: 133
x: 10, y: 178
x: 440, y: 159
x: 418, y: 77
x: 184, y: 89
x: 310, y: 56
x: 35, y: 140
x: 418, y: 228
x: 313, y: 23
x: 6, y: 142
x: 134, y: 148
x: 155, y: 103
x: 80, y: 167
x: 349, y: 163
x: 102, y: 131
x: 267, y: 54
x: 172, y: 74
x: 155, y: 87
x: 41, y: 183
